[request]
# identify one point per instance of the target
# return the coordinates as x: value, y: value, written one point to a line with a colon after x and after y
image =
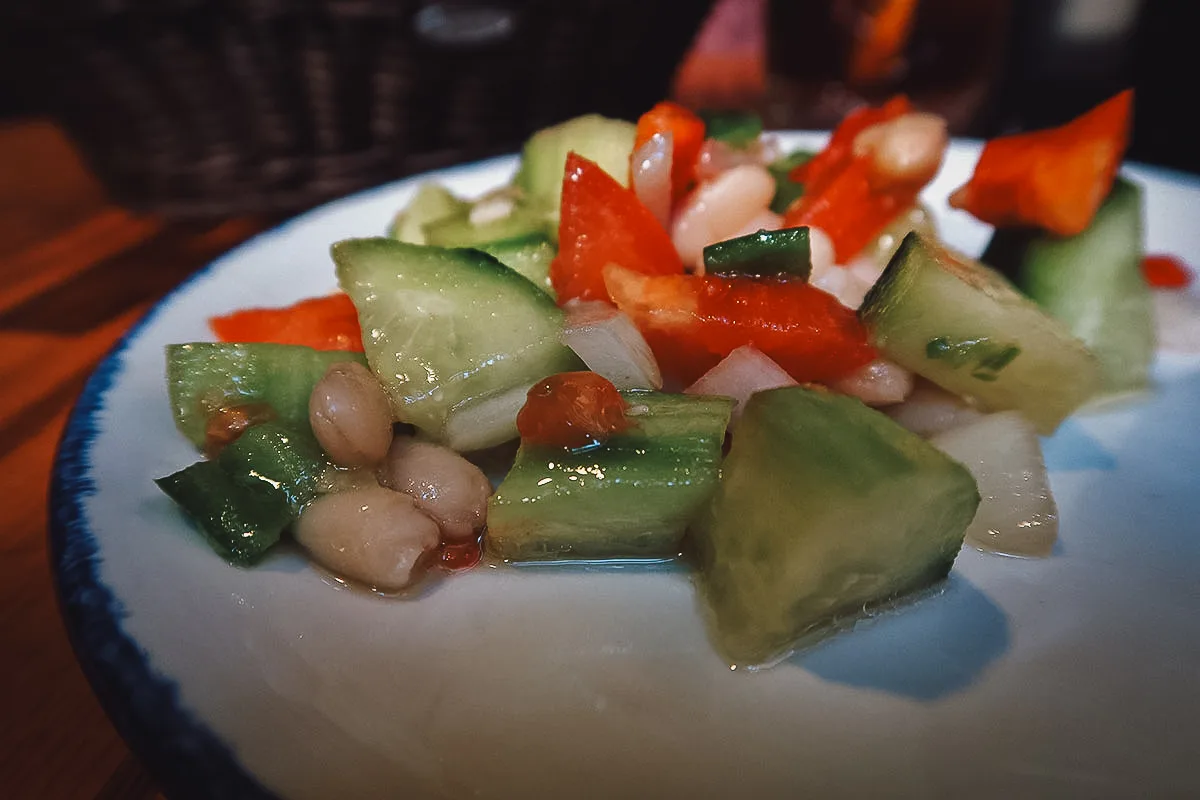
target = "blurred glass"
x: 824, y: 57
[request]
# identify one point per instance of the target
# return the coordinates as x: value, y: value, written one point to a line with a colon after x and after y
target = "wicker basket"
x: 212, y: 107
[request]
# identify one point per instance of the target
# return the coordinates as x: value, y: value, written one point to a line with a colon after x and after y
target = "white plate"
x: 1077, y: 675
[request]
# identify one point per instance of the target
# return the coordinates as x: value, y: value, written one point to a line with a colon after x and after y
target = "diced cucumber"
x: 431, y: 203
x: 781, y: 252
x: 787, y: 190
x: 964, y: 327
x: 240, y: 520
x: 244, y: 499
x: 608, y: 142
x: 1092, y: 283
x: 447, y: 330
x: 286, y: 459
x: 530, y: 255
x: 628, y: 498
x: 735, y: 128
x: 459, y: 231
x: 203, y: 376
x: 825, y: 508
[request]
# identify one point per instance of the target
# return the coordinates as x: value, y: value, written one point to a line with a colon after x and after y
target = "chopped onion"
x: 716, y: 157
x: 611, y: 345
x: 1177, y: 314
x: 492, y: 207
x: 740, y: 374
x: 879, y: 383
x: 485, y: 423
x: 820, y: 252
x: 930, y: 409
x: 651, y: 172
x: 1017, y: 515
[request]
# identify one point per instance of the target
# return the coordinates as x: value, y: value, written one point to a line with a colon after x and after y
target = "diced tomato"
x: 687, y: 133
x: 849, y: 209
x: 879, y: 43
x: 323, y: 323
x: 693, y: 321
x: 572, y: 409
x: 1053, y: 179
x: 603, y: 223
x: 1166, y: 272
x: 839, y: 152
x: 460, y: 556
x: 226, y: 423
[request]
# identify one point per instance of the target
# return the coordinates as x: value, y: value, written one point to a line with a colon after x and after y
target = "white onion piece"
x: 485, y: 423
x: 720, y: 208
x: 1177, y: 314
x: 740, y: 374
x: 716, y: 157
x: 879, y: 383
x: 611, y: 345
x: 930, y: 409
x: 820, y: 252
x: 1017, y: 515
x: 492, y: 208
x: 652, y: 164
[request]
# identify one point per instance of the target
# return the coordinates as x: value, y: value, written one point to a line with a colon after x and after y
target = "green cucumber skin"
x: 631, y: 497
x: 1092, y: 283
x: 530, y: 255
x: 824, y: 508
x: 787, y: 191
x: 780, y: 252
x: 290, y: 461
x: 240, y: 520
x: 445, y: 328
x: 969, y: 330
x: 201, y: 375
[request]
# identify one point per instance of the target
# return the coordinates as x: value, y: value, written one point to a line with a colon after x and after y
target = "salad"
x: 671, y: 340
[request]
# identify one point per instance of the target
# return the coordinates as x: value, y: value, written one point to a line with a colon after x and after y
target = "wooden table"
x: 75, y: 273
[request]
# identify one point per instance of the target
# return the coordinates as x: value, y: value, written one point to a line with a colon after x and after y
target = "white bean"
x: 717, y: 210
x: 350, y: 415
x: 371, y: 535
x: 444, y: 485
x: 907, y: 149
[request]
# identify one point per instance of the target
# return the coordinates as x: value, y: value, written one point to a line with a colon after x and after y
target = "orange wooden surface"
x: 75, y: 273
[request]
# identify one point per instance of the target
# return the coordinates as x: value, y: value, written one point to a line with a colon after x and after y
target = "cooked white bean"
x: 350, y: 415
x: 371, y: 535
x: 717, y: 210
x: 907, y: 149
x: 444, y: 485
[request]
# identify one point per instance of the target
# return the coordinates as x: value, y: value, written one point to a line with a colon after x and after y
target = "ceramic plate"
x: 1076, y: 675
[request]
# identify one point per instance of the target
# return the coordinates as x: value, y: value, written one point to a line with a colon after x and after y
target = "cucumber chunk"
x: 447, y: 330
x: 431, y: 203
x: 628, y: 498
x: 964, y: 327
x: 529, y: 255
x: 608, y: 142
x: 459, y: 231
x: 288, y: 460
x: 824, y: 508
x: 203, y: 376
x: 1092, y: 283
x: 781, y: 252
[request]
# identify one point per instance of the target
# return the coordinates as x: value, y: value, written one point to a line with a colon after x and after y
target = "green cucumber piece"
x: 529, y: 255
x: 240, y: 520
x: 431, y: 203
x: 1092, y: 283
x: 448, y: 330
x: 286, y: 459
x: 628, y: 498
x: 202, y: 376
x: 608, y: 142
x: 787, y: 191
x: 781, y: 252
x: 967, y: 329
x: 738, y: 129
x: 459, y: 231
x: 825, y: 508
